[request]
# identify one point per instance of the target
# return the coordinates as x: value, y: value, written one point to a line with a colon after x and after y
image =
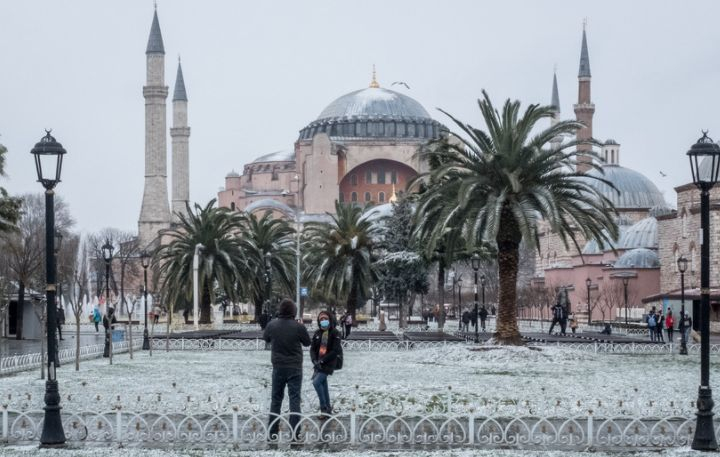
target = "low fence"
x: 22, y: 362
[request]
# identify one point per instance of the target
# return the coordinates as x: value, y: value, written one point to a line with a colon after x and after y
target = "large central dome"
x: 635, y: 190
x: 374, y: 113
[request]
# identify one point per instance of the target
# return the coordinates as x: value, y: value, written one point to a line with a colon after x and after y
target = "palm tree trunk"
x: 441, y: 293
x: 77, y: 340
x: 508, y: 242
x: 205, y: 308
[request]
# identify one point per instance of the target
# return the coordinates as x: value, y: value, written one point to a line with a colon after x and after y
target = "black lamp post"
x: 145, y: 261
x: 705, y: 165
x: 107, y: 253
x: 625, y: 281
x: 268, y: 281
x: 475, y: 262
x: 48, y: 155
x: 588, y: 283
x: 58, y: 246
x: 682, y: 264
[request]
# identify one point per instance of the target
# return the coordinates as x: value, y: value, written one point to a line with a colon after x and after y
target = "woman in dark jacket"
x: 324, y: 350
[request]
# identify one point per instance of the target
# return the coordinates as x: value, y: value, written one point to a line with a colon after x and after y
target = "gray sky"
x: 257, y: 72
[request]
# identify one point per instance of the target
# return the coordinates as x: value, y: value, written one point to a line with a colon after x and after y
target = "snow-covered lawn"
x: 538, y: 381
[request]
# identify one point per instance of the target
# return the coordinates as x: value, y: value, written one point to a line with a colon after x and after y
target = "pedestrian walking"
x: 483, y: 317
x: 557, y: 317
x: 325, y: 352
x: 651, y: 323
x: 465, y: 320
x: 573, y: 323
x: 685, y: 326
x: 286, y: 337
x: 383, y: 326
x: 474, y: 320
x: 348, y: 323
x: 669, y: 325
x: 659, y: 321
x: 156, y: 314
x: 109, y: 321
x: 96, y: 318
x: 60, y: 318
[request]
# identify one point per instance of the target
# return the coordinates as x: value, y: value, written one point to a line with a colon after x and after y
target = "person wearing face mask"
x: 325, y: 348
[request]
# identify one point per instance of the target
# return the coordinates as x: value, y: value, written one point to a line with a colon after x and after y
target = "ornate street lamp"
x: 268, y: 281
x: 145, y: 262
x: 588, y: 283
x: 107, y: 253
x: 682, y: 264
x: 48, y: 155
x: 705, y: 166
x: 58, y: 246
x: 475, y: 262
x: 625, y: 281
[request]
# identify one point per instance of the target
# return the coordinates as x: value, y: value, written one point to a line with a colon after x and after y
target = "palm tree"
x: 274, y: 236
x: 222, y: 262
x: 498, y: 185
x: 9, y: 206
x: 339, y: 255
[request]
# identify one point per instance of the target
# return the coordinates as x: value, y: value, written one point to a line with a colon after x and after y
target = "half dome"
x: 374, y: 113
x: 643, y: 234
x: 634, y: 190
x: 277, y: 156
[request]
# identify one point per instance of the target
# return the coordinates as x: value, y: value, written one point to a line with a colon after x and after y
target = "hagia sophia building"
x: 362, y: 148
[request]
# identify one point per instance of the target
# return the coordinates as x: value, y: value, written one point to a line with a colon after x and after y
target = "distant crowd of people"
x: 657, y: 322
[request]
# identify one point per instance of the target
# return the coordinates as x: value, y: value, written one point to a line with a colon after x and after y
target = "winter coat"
x: 287, y: 338
x: 327, y: 363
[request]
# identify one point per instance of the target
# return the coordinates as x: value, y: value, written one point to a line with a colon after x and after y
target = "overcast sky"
x: 257, y: 72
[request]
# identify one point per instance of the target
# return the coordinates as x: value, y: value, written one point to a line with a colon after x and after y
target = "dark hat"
x: 287, y: 308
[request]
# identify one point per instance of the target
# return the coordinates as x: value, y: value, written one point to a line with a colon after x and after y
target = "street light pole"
x: 475, y: 263
x: 682, y: 264
x: 588, y: 283
x: 298, y: 299
x: 625, y: 281
x: 268, y: 281
x: 107, y: 253
x: 48, y: 154
x: 705, y: 164
x: 145, y: 261
x: 196, y: 267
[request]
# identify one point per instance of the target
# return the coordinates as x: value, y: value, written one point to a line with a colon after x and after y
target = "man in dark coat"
x: 483, y: 316
x: 60, y: 317
x: 287, y: 338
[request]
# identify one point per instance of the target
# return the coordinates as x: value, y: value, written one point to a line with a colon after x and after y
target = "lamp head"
x: 145, y: 259
x: 682, y: 264
x: 475, y: 261
x: 48, y: 160
x: 704, y: 158
x: 107, y: 251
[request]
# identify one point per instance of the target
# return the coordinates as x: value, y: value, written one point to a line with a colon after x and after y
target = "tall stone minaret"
x: 155, y: 211
x: 180, y: 134
x: 585, y: 108
x: 555, y: 103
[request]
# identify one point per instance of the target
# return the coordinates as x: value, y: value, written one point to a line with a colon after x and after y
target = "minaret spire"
x: 584, y: 109
x: 180, y: 134
x: 155, y: 211
x: 555, y: 103
x: 374, y: 84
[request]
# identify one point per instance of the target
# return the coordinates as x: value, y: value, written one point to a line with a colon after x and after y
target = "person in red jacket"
x: 669, y: 322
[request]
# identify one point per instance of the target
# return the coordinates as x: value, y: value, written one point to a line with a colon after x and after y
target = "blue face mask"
x: 324, y: 324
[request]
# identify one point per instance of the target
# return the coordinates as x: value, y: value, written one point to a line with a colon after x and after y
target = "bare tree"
x: 75, y: 255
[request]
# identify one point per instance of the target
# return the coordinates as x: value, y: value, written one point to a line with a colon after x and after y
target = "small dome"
x: 611, y: 142
x: 644, y: 234
x: 593, y: 247
x: 371, y: 113
x: 638, y: 258
x: 634, y: 190
x: 233, y: 174
x: 277, y: 156
x: 660, y: 210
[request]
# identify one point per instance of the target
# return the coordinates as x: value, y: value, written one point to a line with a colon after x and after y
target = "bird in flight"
x: 662, y: 174
x: 401, y: 83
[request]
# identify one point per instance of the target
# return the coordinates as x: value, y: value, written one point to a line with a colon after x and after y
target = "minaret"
x: 155, y: 211
x: 555, y: 103
x: 180, y: 134
x: 584, y: 109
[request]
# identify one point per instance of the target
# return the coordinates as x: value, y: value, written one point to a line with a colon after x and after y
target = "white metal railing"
x: 22, y: 362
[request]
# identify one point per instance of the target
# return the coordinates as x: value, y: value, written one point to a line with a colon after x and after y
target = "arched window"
x: 367, y: 196
x: 692, y: 259
x: 381, y: 197
x: 353, y: 197
x: 393, y: 177
x: 381, y: 176
x: 232, y: 206
x: 342, y: 197
x: 353, y: 179
x: 676, y: 256
x: 683, y: 221
x: 368, y: 177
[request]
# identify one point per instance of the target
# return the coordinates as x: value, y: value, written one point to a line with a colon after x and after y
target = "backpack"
x: 339, y: 357
x: 651, y: 320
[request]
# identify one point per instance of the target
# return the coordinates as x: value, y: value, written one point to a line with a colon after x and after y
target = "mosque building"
x: 595, y: 272
x: 362, y: 148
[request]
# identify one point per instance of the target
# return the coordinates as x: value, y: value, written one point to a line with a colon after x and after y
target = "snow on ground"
x: 32, y: 451
x: 542, y: 380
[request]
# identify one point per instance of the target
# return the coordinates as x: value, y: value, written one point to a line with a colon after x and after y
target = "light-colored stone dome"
x: 638, y: 258
x: 636, y: 191
x: 287, y: 155
x: 374, y: 112
x: 643, y: 234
